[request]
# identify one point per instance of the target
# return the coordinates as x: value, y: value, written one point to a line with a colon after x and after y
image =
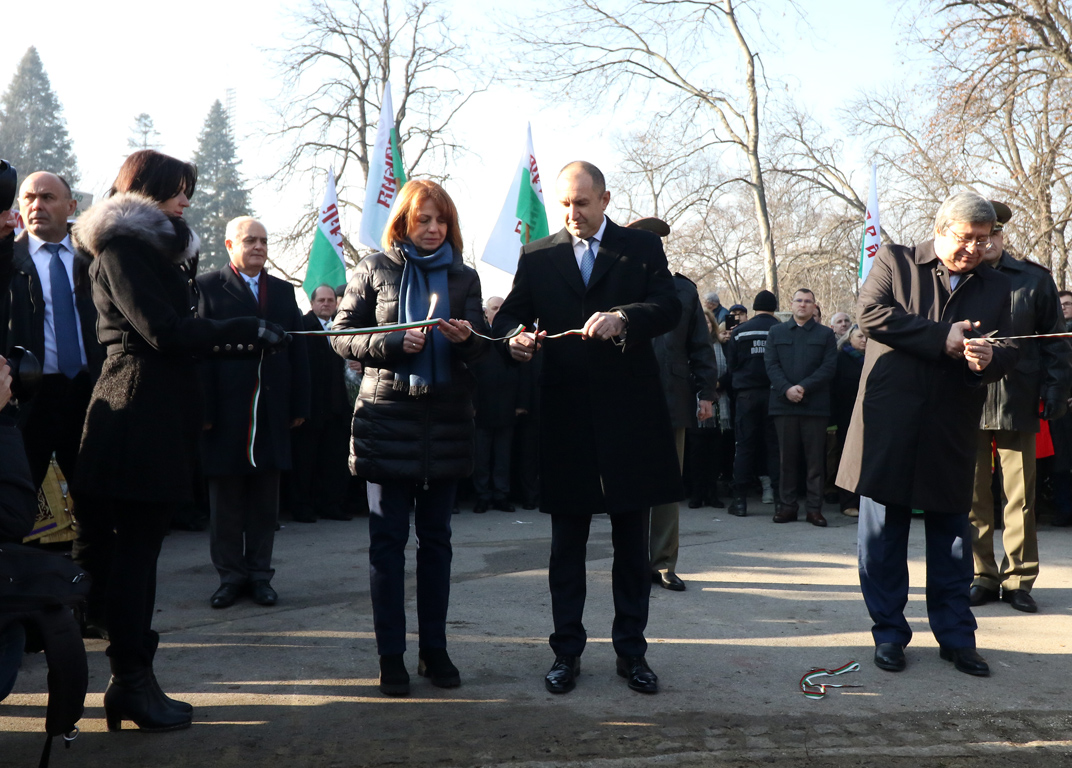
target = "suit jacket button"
x: 216, y: 348
x: 227, y: 347
x: 241, y: 347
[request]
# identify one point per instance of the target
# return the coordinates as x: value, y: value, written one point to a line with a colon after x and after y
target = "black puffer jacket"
x: 396, y: 435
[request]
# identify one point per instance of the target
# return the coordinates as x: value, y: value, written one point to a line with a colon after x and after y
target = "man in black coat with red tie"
x: 606, y: 444
x: 243, y: 479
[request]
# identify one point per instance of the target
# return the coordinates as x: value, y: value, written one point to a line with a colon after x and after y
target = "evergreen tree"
x: 143, y: 133
x: 220, y: 195
x: 33, y: 133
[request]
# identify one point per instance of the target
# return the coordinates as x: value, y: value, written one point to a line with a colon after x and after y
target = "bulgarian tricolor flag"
x: 872, y: 239
x: 326, y: 263
x: 386, y: 175
x: 523, y: 217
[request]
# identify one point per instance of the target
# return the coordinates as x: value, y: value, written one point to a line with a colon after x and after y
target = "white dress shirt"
x: 42, y: 258
x: 579, y: 245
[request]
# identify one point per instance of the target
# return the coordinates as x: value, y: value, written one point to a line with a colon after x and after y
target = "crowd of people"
x: 626, y: 393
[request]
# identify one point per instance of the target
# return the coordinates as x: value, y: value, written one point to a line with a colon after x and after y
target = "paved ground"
x: 296, y: 684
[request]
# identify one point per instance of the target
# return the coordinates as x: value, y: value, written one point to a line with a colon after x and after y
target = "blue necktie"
x: 588, y: 260
x: 64, y: 320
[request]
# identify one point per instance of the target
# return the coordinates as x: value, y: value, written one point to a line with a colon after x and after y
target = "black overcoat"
x: 498, y: 381
x: 230, y: 382
x: 686, y: 358
x: 327, y: 377
x: 606, y: 444
x: 397, y: 435
x: 144, y: 419
x: 912, y: 438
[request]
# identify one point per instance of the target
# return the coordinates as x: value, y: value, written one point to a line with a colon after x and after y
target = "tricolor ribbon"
x: 814, y: 690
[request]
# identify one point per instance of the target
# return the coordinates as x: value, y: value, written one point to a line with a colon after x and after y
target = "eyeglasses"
x: 971, y: 243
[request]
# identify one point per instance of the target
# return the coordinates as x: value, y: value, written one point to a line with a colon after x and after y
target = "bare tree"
x: 336, y: 70
x: 662, y: 44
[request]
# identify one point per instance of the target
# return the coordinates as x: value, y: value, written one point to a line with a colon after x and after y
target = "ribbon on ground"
x: 814, y: 690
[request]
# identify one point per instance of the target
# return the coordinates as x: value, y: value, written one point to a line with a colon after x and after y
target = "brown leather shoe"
x: 785, y: 515
x: 816, y: 519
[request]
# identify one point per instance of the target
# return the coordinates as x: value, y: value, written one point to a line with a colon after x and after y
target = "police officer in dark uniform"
x: 756, y: 440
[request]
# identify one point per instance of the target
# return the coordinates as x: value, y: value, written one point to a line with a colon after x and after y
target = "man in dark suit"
x: 606, y: 444
x: 322, y: 444
x: 244, y: 479
x: 46, y: 306
x: 912, y: 440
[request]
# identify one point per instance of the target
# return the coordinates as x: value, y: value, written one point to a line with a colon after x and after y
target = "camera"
x: 25, y: 373
x: 9, y: 185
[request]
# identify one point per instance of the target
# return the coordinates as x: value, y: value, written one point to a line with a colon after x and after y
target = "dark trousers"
x: 527, y: 458
x: 390, y: 504
x: 491, y: 462
x: 630, y: 582
x: 243, y: 514
x: 883, y: 552
x: 801, y: 437
x: 119, y: 551
x: 320, y: 477
x: 757, y: 442
x: 703, y: 454
x: 54, y: 421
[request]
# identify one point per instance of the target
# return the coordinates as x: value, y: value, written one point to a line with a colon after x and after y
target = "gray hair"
x: 966, y: 207
x: 711, y: 296
x: 232, y: 226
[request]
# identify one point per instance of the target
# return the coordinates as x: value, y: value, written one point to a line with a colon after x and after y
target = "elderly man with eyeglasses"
x: 911, y: 443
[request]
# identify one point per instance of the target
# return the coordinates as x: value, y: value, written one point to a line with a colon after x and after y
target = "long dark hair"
x: 156, y: 175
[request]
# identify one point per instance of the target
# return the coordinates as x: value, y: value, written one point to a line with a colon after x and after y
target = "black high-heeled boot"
x: 132, y: 695
x: 182, y: 706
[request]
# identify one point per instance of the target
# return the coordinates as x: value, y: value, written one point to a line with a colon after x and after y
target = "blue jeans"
x: 390, y: 504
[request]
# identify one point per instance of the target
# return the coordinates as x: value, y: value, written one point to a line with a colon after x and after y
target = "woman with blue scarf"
x: 413, y: 422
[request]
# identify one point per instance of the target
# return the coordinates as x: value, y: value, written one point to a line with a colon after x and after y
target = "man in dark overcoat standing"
x: 1008, y: 428
x: 606, y: 444
x: 912, y: 440
x: 243, y: 480
x: 321, y: 446
x: 689, y: 374
x: 46, y: 306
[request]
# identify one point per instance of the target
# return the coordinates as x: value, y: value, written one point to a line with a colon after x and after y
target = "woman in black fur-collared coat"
x: 413, y: 424
x: 139, y: 447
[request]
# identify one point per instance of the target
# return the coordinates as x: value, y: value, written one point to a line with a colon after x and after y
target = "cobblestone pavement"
x: 296, y: 684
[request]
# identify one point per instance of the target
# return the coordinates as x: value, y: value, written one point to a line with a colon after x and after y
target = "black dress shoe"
x: 480, y: 507
x: 225, y: 596
x: 503, y: 505
x: 890, y: 656
x: 668, y: 580
x: 816, y: 519
x: 1020, y: 599
x: 262, y: 593
x: 695, y: 503
x: 716, y: 502
x: 303, y: 517
x: 638, y: 674
x: 966, y: 660
x: 981, y: 596
x: 530, y: 505
x: 562, y: 676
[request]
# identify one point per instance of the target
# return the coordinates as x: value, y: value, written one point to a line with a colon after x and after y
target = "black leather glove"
x: 271, y: 335
x: 1055, y: 406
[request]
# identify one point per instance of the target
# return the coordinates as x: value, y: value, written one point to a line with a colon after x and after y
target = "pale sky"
x: 110, y: 61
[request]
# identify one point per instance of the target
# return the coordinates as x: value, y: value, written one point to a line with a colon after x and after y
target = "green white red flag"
x: 523, y: 217
x: 386, y: 175
x: 326, y: 262
x: 872, y: 238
